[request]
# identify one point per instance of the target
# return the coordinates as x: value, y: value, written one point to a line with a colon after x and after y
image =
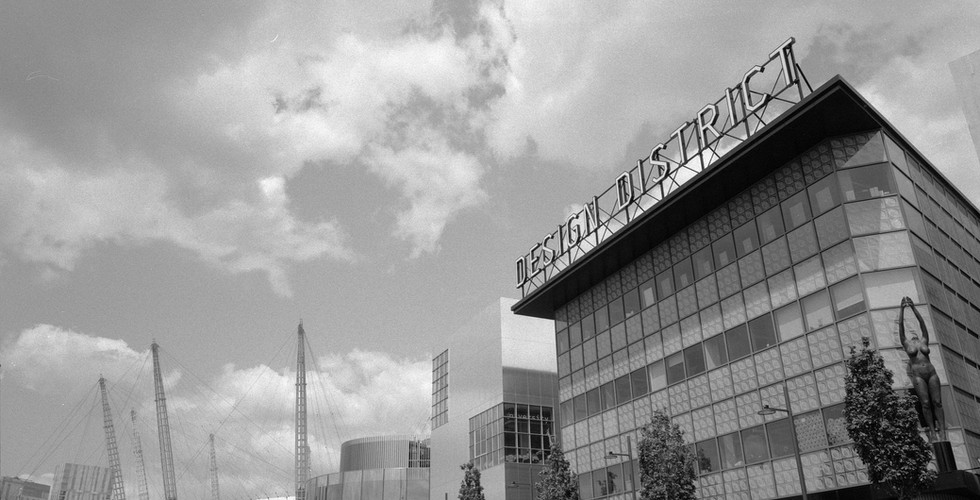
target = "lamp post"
x: 629, y: 455
x: 768, y: 410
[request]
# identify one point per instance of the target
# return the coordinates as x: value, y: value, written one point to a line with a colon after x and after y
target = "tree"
x: 666, y: 463
x: 558, y: 482
x: 470, y: 488
x: 884, y: 426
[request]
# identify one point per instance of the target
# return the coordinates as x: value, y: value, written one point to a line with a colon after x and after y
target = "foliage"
x: 666, y: 463
x: 884, y: 426
x: 558, y: 482
x: 470, y: 488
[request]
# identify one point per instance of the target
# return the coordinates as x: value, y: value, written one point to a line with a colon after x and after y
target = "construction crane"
x: 118, y: 491
x: 213, y: 471
x: 302, y: 449
x: 163, y: 429
x: 138, y: 454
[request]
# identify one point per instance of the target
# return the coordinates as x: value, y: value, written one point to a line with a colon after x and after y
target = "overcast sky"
x: 207, y: 173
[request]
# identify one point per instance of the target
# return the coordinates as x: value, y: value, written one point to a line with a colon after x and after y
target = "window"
x: 754, y: 445
x: 607, y: 395
x: 440, y: 389
x: 730, y: 449
x: 575, y: 333
x: 648, y: 294
x: 561, y: 341
x: 770, y: 225
x: 789, y: 321
x: 867, y: 182
x: 746, y: 239
x: 703, y: 264
x: 831, y: 228
x: 848, y: 298
x: 665, y: 283
x: 623, y: 392
x: 588, y: 327
x: 738, y: 342
x: 638, y: 380
x: 592, y: 401
x: 762, y: 332
x: 616, y: 314
x: 816, y: 310
x: 824, y: 194
x: 694, y: 359
x: 683, y: 274
x: 658, y: 376
x: 780, y: 438
x: 707, y: 455
x: 796, y: 211
x: 724, y: 251
x: 675, y: 368
x: 601, y: 319
x: 886, y: 288
x: 631, y: 302
x: 872, y: 151
x: 580, y: 407
x: 715, y: 354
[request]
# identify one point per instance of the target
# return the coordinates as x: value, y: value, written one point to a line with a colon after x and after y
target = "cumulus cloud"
x: 249, y: 409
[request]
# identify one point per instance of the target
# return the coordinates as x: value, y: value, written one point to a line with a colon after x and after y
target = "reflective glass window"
x: 601, y: 319
x: 588, y: 327
x: 746, y: 239
x: 817, y: 310
x: 607, y: 395
x: 575, y: 333
x: 715, y: 353
x: 780, y: 438
x: 648, y: 294
x: 754, y: 445
x: 724, y: 251
x: 738, y: 342
x: 614, y: 478
x: 703, y: 263
x: 683, y: 274
x: 905, y: 187
x: 604, y: 344
x: 658, y: 376
x: 561, y: 341
x: 831, y: 228
x: 896, y: 154
x: 616, y: 314
x: 589, y: 351
x: 886, y: 288
x: 707, y: 455
x: 623, y: 391
x: 824, y: 194
x: 762, y: 332
x: 694, y: 359
x: 796, y: 211
x: 581, y: 407
x: 882, y: 251
x: 802, y: 242
x: 872, y: 151
x: 874, y: 216
x: 775, y: 256
x: 665, y: 283
x: 789, y: 321
x: 675, y: 368
x: 638, y: 381
x: 864, y: 183
x: 730, y: 449
x: 848, y: 297
x: 631, y: 302
x: 770, y: 225
x: 592, y: 401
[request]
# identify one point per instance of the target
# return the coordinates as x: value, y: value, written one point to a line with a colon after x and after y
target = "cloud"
x: 249, y: 409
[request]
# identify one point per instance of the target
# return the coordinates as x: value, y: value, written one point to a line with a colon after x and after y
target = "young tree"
x: 558, y: 482
x: 884, y: 426
x: 666, y: 463
x: 470, y: 488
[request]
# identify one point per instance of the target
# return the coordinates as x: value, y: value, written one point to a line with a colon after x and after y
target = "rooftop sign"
x: 692, y: 148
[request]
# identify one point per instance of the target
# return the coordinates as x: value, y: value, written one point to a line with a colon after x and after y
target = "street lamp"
x: 768, y: 410
x: 629, y: 455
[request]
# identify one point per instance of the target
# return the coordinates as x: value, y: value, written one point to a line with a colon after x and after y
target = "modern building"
x: 735, y: 267
x: 81, y: 482
x: 377, y: 468
x: 13, y: 488
x: 966, y: 76
x: 494, y: 399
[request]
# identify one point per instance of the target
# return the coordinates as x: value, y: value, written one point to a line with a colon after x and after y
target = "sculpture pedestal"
x: 944, y: 456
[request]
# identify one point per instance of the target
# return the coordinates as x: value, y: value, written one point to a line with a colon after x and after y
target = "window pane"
x: 711, y: 322
x: 708, y: 460
x: 638, y: 380
x: 762, y: 332
x: 588, y: 327
x: 874, y: 216
x: 616, y: 314
x: 665, y: 283
x: 648, y: 294
x: 746, y: 239
x: 562, y: 341
x: 675, y: 368
x: 724, y: 251
x: 780, y: 439
x: 809, y: 276
x: 789, y: 322
x: 607, y: 393
x: 883, y: 251
x: 601, y: 319
x: 802, y: 242
x: 592, y: 401
x: 770, y: 225
x: 730, y: 449
x: 683, y: 274
x: 796, y: 211
x: 886, y: 288
x: 867, y: 182
x: 872, y: 151
x: 754, y: 445
x: 631, y: 302
x: 816, y: 310
x: 581, y: 408
x: 715, y: 352
x: 703, y: 263
x: 658, y: 376
x: 694, y: 359
x: 623, y: 392
x: 824, y: 194
x: 728, y: 281
x: 896, y: 154
x: 575, y: 333
x: 775, y: 256
x: 848, y: 298
x: 831, y: 228
x: 738, y: 342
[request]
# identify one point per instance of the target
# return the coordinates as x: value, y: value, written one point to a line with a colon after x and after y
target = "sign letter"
x: 747, y: 94
x: 624, y: 190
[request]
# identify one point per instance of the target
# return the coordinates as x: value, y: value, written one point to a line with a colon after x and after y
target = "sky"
x: 208, y: 174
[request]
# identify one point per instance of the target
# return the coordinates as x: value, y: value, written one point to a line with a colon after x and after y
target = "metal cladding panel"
x: 833, y: 109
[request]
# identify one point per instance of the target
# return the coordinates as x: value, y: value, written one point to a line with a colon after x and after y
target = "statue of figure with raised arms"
x: 925, y: 380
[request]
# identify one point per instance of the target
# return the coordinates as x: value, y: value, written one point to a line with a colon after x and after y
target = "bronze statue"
x: 925, y: 380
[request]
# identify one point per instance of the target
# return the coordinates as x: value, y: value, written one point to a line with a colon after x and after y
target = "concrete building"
x: 81, y: 482
x: 377, y: 468
x: 735, y: 267
x: 494, y: 399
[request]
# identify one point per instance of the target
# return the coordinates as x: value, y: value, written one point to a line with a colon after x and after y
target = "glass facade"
x: 772, y: 288
x: 440, y: 389
x: 511, y: 432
